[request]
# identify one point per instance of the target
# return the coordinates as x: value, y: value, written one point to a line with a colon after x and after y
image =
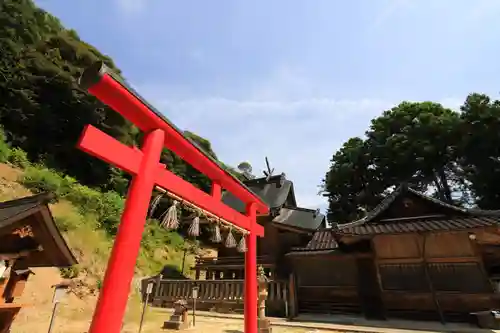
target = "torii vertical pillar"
x: 113, y: 297
x: 251, y: 292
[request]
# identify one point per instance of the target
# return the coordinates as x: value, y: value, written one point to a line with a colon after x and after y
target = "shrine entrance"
x: 143, y: 164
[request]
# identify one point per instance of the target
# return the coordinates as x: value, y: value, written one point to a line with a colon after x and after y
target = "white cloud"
x: 391, y: 9
x: 282, y: 119
x: 299, y: 137
x: 453, y: 17
x: 131, y: 6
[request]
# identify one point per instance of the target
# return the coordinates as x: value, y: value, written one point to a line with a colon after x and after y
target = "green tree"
x: 479, y: 149
x: 345, y: 184
x: 43, y: 111
x: 413, y: 143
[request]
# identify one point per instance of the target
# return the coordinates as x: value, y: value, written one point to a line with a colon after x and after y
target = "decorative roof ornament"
x: 269, y: 171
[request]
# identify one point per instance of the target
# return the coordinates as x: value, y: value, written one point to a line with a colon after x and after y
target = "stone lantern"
x: 179, y: 319
x: 264, y: 323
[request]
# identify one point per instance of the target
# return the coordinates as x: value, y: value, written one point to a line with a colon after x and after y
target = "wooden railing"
x: 230, y: 261
x: 218, y: 295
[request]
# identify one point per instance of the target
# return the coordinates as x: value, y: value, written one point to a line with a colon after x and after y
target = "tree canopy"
x: 43, y: 111
x: 451, y: 154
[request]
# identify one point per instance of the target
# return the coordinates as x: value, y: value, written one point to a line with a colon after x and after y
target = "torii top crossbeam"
x: 101, y: 82
x: 144, y: 165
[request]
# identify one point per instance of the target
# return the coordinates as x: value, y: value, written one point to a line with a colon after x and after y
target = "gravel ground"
x: 218, y: 325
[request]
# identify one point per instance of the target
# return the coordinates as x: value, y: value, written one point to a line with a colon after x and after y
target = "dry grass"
x: 92, y: 248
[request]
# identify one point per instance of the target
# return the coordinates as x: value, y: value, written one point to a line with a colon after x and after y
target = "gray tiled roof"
x: 322, y: 240
x: 278, y: 193
x: 274, y: 192
x: 459, y: 218
x: 422, y: 225
x: 300, y: 217
x: 399, y: 191
x: 55, y: 249
x: 12, y: 208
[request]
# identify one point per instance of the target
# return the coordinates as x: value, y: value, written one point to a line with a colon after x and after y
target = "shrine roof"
x: 446, y: 217
x: 274, y: 191
x: 421, y: 225
x: 12, y: 208
x: 303, y: 218
x: 323, y: 240
x: 32, y: 215
x: 450, y: 217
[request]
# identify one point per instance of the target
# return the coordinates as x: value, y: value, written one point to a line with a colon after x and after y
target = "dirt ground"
x: 202, y: 326
x: 74, y: 314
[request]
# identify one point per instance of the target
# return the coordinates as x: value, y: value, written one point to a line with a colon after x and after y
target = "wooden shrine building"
x: 219, y: 279
x: 28, y: 238
x: 412, y: 256
x: 286, y: 226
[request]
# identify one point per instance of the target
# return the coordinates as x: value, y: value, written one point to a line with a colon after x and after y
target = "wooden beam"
x: 20, y: 254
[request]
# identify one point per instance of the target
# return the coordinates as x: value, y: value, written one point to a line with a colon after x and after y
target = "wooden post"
x: 429, y: 281
x: 149, y: 289
x: 376, y: 262
x: 184, y: 260
x: 159, y: 277
x: 293, y: 311
x: 52, y: 317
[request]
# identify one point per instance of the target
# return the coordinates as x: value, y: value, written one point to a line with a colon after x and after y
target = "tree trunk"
x: 444, y: 185
x: 438, y: 186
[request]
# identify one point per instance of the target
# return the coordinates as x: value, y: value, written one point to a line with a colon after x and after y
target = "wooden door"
x: 369, y: 290
x: 326, y: 285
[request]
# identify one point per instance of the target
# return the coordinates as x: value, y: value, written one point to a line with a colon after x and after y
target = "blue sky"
x: 290, y: 79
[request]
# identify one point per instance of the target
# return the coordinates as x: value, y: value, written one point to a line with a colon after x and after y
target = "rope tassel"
x: 230, y: 241
x: 194, y: 228
x: 154, y: 204
x: 242, y: 245
x: 216, y: 237
x: 170, y: 219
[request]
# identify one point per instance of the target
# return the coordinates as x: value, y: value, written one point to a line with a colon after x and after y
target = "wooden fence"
x: 218, y: 295
x: 238, y: 262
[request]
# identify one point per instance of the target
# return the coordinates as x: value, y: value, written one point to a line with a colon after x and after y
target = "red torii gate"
x: 148, y: 172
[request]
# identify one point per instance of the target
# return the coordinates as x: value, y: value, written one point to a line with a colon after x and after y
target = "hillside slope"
x: 91, y: 247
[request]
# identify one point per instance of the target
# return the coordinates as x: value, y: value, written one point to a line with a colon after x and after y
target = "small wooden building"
x: 28, y: 238
x: 412, y: 256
